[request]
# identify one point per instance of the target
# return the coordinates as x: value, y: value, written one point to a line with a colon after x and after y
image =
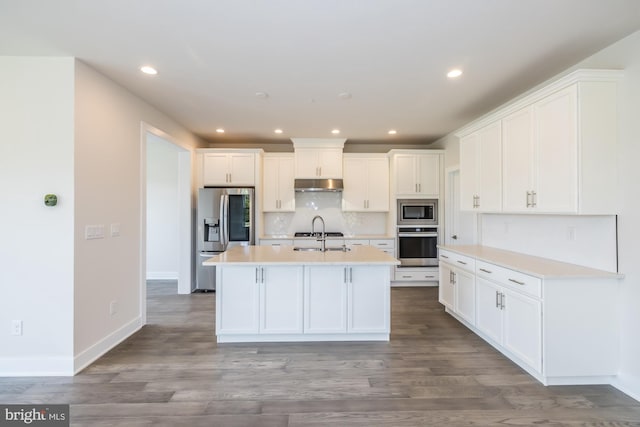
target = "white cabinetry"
x: 276, y: 242
x: 558, y: 150
x: 318, y: 162
x: 457, y: 285
x: 417, y: 175
x: 278, y: 190
x: 481, y: 169
x: 366, y: 183
x: 258, y: 299
x: 561, y: 329
x: 227, y: 169
x: 325, y: 299
x: 368, y: 296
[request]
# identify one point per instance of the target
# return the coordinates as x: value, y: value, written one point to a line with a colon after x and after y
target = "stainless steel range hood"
x: 320, y: 184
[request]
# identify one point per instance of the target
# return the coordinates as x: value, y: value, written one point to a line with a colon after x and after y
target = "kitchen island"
x: 277, y: 293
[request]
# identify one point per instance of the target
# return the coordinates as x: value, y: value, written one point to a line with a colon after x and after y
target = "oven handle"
x: 417, y: 234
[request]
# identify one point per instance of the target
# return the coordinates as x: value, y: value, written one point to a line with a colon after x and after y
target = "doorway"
x: 166, y: 243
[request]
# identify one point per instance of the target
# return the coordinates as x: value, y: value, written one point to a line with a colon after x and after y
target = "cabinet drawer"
x: 382, y: 243
x: 512, y: 279
x: 416, y: 276
x: 355, y: 242
x: 461, y: 261
x: 276, y: 242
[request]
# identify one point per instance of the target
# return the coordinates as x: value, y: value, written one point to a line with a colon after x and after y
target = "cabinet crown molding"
x: 539, y: 92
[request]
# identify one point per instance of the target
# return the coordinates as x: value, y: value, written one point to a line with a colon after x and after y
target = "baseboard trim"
x: 36, y: 367
x: 162, y: 275
x: 630, y: 388
x: 97, y: 350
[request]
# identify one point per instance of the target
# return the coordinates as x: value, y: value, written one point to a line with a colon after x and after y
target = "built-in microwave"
x: 417, y: 211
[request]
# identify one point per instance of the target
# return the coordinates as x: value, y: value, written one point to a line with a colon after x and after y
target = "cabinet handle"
x: 419, y: 188
x: 382, y: 244
x: 429, y: 277
x: 534, y: 199
x: 528, y: 199
x: 486, y: 271
x: 345, y: 275
x: 454, y: 278
x: 502, y: 305
x: 444, y: 256
x: 261, y: 275
x: 461, y: 262
x: 350, y: 274
x: 256, y: 274
x: 406, y: 277
x: 497, y: 300
x: 517, y: 282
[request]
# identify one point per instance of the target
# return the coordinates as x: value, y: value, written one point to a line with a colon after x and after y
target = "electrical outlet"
x: 16, y: 327
x: 94, y: 232
x: 115, y: 229
x: 113, y: 307
x: 571, y: 233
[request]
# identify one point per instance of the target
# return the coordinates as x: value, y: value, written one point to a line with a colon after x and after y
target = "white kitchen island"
x: 274, y: 293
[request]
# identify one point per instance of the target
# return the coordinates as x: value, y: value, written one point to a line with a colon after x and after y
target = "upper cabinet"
x: 481, y: 170
x: 226, y: 169
x: 417, y: 174
x: 558, y: 150
x: 278, y: 192
x: 366, y: 183
x: 318, y: 157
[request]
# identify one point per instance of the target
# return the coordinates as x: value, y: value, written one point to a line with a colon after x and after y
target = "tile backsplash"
x: 329, y: 206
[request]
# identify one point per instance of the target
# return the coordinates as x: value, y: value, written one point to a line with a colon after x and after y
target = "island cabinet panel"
x: 237, y: 300
x: 325, y: 299
x: 368, y: 299
x: 280, y: 299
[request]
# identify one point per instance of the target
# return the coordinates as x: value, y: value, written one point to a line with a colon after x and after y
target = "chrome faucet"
x: 323, y: 236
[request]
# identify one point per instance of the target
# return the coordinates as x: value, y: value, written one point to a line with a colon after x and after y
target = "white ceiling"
x: 390, y: 55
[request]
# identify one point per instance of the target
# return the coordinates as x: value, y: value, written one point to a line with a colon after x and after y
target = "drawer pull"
x: 444, y: 256
x: 486, y: 271
x: 429, y: 277
x: 515, y: 281
x: 406, y: 277
x: 462, y: 262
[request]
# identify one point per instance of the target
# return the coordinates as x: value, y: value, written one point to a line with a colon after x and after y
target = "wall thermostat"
x: 50, y: 200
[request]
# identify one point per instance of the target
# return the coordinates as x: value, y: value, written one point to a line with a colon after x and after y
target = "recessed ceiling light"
x: 220, y: 130
x: 392, y: 132
x: 344, y: 95
x: 149, y: 70
x: 456, y: 72
x: 335, y: 131
x: 278, y: 131
x: 262, y: 95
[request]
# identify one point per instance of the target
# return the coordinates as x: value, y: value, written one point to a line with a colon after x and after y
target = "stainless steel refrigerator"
x: 225, y: 219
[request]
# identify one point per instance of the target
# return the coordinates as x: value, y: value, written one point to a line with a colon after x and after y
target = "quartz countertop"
x: 285, y: 255
x: 359, y: 236
x: 543, y: 268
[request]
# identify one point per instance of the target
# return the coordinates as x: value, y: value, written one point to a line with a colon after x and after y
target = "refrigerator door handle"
x: 223, y: 223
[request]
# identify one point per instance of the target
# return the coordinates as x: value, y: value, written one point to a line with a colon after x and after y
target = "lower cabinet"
x: 512, y: 320
x: 251, y: 300
x: 457, y: 287
x: 289, y: 303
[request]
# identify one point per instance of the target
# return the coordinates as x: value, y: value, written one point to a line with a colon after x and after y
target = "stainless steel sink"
x: 332, y: 249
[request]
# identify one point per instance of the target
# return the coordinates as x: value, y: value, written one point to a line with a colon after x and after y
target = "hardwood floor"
x: 433, y: 372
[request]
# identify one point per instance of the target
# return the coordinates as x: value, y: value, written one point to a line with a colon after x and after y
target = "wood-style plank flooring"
x: 433, y: 372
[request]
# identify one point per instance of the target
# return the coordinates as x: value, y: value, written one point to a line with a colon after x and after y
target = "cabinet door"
x: 446, y: 290
x: 325, y: 300
x: 405, y: 174
x: 517, y: 160
x: 488, y: 311
x: 469, y: 174
x: 556, y: 169
x: 286, y: 191
x: 306, y: 163
x: 489, y: 161
x: 368, y: 299
x: 271, y: 182
x: 330, y: 163
x: 465, y: 295
x: 523, y: 327
x: 242, y: 169
x: 354, y: 195
x: 429, y: 174
x: 215, y: 169
x: 378, y: 185
x: 237, y: 304
x: 281, y: 300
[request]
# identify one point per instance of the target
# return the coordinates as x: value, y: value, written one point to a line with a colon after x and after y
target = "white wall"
x: 162, y: 209
x: 110, y: 189
x: 624, y: 54
x: 36, y: 247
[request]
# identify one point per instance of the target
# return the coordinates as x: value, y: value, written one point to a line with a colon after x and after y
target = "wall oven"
x: 420, y: 212
x: 418, y: 246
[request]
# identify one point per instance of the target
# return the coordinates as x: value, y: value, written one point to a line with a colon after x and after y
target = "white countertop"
x: 359, y: 236
x: 543, y: 268
x: 285, y: 255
